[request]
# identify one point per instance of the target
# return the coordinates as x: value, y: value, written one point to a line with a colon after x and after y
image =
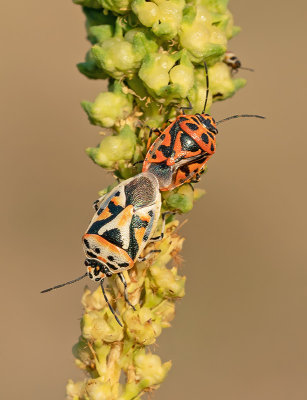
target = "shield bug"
x: 182, y: 149
x: 124, y: 222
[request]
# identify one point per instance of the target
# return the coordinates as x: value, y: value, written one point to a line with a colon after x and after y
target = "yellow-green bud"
x: 118, y: 6
x: 147, y: 12
x: 149, y: 368
x: 89, y: 68
x: 170, y: 16
x: 222, y: 85
x: 117, y: 57
x: 202, y: 39
x: 115, y: 148
x: 93, y: 300
x: 168, y: 282
x: 182, y: 76
x: 142, y: 325
x: 74, y: 390
x: 96, y: 389
x: 154, y: 71
x: 166, y: 311
x: 180, y: 199
x: 101, y: 325
x: 82, y: 352
x: 108, y: 108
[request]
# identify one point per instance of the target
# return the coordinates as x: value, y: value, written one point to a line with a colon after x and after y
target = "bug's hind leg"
x: 122, y: 278
x: 161, y: 236
x: 148, y: 255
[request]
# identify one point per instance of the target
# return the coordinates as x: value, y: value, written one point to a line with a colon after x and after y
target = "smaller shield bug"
x: 182, y: 149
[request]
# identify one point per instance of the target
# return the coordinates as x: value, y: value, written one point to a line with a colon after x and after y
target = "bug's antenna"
x: 64, y: 284
x: 107, y: 301
x: 240, y: 116
x: 207, y: 87
x: 247, y: 69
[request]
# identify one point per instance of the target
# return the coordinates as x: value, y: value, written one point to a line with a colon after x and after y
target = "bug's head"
x: 96, y: 269
x: 208, y: 122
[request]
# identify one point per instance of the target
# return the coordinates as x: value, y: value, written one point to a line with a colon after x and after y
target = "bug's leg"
x: 96, y: 202
x: 122, y: 278
x: 190, y: 183
x: 137, y: 162
x: 161, y: 236
x: 196, y: 179
x: 186, y: 108
x: 148, y: 255
x: 107, y: 301
x: 150, y: 135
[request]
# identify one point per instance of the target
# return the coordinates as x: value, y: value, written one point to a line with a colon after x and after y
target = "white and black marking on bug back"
x: 123, y: 224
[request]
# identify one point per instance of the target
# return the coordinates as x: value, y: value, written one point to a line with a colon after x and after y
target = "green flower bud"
x: 222, y: 85
x: 147, y: 12
x: 142, y: 325
x: 180, y: 199
x: 115, y: 148
x: 97, y: 389
x: 215, y: 6
x: 166, y: 311
x: 99, y: 26
x: 152, y: 298
x: 154, y: 71
x: 168, y: 282
x: 118, y: 6
x: 117, y: 57
x: 100, y: 33
x: 182, y: 76
x: 101, y: 325
x: 109, y: 107
x: 106, y: 190
x: 203, y: 40
x: 93, y: 300
x: 164, y: 16
x: 143, y: 41
x: 74, y: 390
x: 170, y: 16
x: 150, y: 368
x: 89, y: 68
x: 120, y: 57
x: 82, y: 352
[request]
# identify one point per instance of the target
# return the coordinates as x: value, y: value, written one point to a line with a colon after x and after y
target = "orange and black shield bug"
x: 124, y: 222
x: 181, y: 151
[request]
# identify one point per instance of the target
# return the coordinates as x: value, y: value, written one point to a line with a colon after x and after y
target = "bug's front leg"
x: 122, y: 278
x: 152, y: 130
x: 186, y: 108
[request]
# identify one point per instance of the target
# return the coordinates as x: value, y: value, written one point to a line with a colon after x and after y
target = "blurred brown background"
x: 240, y: 332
